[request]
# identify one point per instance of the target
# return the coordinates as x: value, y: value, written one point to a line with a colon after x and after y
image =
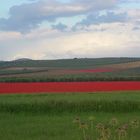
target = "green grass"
x: 109, y: 96
x: 106, y: 102
x: 50, y: 117
x: 52, y: 127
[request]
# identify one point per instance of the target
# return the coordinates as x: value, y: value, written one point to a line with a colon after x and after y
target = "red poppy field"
x: 59, y: 87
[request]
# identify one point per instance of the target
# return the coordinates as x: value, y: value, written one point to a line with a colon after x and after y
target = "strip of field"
x: 39, y: 72
x: 128, y: 65
x: 57, y: 87
x: 71, y: 103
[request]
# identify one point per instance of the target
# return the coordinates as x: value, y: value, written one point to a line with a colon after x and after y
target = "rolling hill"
x: 84, y: 69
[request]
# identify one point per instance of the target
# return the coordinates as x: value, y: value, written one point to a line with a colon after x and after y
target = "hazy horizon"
x: 69, y: 58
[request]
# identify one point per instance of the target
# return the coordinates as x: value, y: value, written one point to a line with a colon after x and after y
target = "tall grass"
x: 61, y: 106
x: 72, y: 102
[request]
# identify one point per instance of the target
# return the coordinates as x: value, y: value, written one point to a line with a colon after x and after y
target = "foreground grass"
x: 52, y: 127
x: 50, y: 117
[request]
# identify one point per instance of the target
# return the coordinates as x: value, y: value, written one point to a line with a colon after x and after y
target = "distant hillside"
x: 22, y: 59
x: 84, y: 69
x: 67, y: 63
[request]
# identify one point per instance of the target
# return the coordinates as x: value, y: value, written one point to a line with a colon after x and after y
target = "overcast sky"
x: 54, y: 29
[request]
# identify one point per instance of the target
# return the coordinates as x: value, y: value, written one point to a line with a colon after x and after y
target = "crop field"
x: 73, y: 99
x: 102, y: 69
x: 59, y: 87
x: 52, y: 116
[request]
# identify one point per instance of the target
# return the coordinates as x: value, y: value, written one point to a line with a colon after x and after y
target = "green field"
x: 50, y: 117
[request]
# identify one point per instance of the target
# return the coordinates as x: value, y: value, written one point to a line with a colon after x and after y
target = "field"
x: 61, y: 91
x: 45, y: 116
x: 101, y: 69
x: 61, y: 87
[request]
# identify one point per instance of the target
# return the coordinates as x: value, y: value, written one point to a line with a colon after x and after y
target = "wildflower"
x: 77, y: 120
x: 83, y: 125
x: 106, y: 133
x: 134, y: 123
x: 125, y: 127
x: 99, y: 126
x: 113, y: 122
x: 121, y: 132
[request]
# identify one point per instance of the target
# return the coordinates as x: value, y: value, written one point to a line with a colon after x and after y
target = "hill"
x: 84, y: 69
x: 69, y: 63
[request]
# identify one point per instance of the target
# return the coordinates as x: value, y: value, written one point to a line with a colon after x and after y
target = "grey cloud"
x: 26, y: 17
x: 60, y: 26
x: 109, y: 17
x: 136, y: 28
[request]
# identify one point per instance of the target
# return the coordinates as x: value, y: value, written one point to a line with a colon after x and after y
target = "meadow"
x: 51, y: 116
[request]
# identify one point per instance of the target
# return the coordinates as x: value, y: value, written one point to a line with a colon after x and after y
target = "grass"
x: 105, y: 102
x: 50, y: 117
x: 52, y: 127
x: 113, y: 129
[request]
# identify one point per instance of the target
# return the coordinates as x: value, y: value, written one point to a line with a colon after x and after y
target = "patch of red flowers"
x: 58, y: 87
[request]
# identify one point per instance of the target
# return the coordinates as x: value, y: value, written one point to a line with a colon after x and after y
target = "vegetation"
x: 68, y: 63
x: 74, y: 77
x: 60, y: 70
x: 112, y: 130
x: 21, y: 126
x: 45, y: 116
x: 71, y: 103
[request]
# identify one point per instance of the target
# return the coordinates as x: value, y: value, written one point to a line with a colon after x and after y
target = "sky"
x: 57, y: 29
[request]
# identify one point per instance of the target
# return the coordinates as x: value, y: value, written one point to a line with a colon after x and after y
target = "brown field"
x: 123, y: 66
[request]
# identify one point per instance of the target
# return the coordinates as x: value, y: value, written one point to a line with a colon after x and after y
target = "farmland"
x: 47, y: 116
x: 62, y: 90
x: 70, y: 70
x: 65, y: 87
x: 101, y: 69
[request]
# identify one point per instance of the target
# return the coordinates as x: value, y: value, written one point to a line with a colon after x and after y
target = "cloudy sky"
x: 54, y: 29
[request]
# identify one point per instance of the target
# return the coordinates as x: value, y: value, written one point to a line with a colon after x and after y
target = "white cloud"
x: 4, y: 36
x: 115, y: 40
x: 113, y: 35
